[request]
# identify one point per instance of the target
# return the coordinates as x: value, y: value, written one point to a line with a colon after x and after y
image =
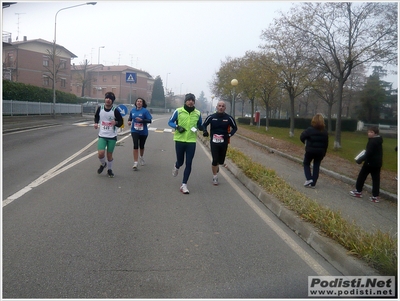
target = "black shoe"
x: 110, y: 173
x: 101, y: 168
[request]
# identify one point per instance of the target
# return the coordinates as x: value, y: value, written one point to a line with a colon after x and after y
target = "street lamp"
x: 55, y: 48
x: 98, y: 70
x: 166, y: 91
x: 234, y: 83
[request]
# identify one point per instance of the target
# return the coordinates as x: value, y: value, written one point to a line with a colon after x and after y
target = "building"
x: 31, y: 62
x: 93, y: 81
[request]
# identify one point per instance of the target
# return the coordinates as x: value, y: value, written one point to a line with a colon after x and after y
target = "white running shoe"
x: 184, y: 189
x: 215, y: 181
x: 141, y: 160
x: 135, y: 164
x: 175, y: 171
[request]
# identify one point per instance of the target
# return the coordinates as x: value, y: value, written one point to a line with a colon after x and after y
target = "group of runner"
x: 186, y: 121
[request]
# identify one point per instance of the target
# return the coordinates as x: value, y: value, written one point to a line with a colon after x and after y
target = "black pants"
x: 375, y: 175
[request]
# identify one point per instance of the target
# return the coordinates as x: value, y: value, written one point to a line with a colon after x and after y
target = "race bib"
x: 106, y: 125
x: 138, y: 126
x: 218, y: 138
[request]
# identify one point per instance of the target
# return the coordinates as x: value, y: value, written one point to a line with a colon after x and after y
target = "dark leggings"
x: 308, y: 157
x: 181, y: 148
x: 138, y: 140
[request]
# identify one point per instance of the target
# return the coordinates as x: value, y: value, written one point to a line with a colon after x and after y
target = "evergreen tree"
x: 158, y: 96
x: 372, y: 97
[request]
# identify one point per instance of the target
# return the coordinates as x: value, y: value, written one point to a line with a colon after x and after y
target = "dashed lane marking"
x: 151, y: 129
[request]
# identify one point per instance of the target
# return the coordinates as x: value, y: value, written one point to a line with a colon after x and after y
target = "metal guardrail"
x: 18, y: 108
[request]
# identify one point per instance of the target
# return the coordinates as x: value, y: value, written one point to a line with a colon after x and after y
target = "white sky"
x: 187, y: 39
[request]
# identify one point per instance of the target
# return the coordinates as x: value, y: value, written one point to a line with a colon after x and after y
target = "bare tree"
x: 348, y: 34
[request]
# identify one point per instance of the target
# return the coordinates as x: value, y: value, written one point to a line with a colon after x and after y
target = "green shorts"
x: 108, y: 143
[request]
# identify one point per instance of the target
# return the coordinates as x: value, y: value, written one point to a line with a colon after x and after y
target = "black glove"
x: 205, y: 134
x: 180, y: 129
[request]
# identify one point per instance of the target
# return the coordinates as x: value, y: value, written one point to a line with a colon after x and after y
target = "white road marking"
x: 311, y: 262
x: 53, y: 172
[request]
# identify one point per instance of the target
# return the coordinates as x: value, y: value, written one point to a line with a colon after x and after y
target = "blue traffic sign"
x: 123, y: 110
x: 131, y: 77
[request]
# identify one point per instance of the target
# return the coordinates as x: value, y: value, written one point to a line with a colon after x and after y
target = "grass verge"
x: 378, y: 249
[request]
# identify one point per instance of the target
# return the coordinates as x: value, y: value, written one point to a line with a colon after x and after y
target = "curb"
x: 333, y: 252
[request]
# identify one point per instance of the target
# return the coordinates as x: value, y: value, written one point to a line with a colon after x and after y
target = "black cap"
x: 110, y: 95
x: 190, y: 96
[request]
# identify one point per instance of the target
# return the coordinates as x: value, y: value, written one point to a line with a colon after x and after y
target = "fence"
x: 18, y: 108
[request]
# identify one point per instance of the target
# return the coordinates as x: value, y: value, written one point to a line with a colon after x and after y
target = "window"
x: 114, y: 78
x: 46, y: 81
x: 63, y: 82
x: 104, y: 78
x: 46, y: 60
x: 63, y: 64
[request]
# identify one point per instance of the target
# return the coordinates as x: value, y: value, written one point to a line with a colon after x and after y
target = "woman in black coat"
x: 316, y: 141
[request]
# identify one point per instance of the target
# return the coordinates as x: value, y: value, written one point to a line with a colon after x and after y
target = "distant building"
x: 30, y: 62
x: 93, y: 81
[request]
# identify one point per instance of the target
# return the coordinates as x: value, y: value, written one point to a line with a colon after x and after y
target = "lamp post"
x: 234, y: 83
x: 98, y: 70
x: 212, y: 103
x: 166, y: 91
x: 55, y: 48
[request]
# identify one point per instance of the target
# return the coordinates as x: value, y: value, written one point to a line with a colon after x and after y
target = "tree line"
x: 317, y: 55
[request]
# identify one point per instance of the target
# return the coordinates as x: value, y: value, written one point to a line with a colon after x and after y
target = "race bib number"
x: 138, y: 126
x: 218, y: 138
x: 106, y: 125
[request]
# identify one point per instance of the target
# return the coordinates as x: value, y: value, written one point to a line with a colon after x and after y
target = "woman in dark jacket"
x: 316, y: 141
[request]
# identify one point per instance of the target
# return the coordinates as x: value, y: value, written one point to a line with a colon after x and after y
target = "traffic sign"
x: 131, y: 77
x: 123, y: 110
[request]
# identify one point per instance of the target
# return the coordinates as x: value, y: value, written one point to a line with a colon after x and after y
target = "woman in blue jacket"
x: 316, y: 141
x: 139, y: 117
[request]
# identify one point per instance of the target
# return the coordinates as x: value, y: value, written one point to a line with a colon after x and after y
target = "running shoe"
x: 175, y: 171
x: 101, y: 168
x: 141, y: 160
x: 374, y: 199
x: 134, y: 167
x: 184, y: 189
x: 215, y: 181
x: 110, y: 173
x: 356, y: 194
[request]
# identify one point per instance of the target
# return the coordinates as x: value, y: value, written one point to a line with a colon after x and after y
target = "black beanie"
x: 190, y: 96
x: 110, y: 95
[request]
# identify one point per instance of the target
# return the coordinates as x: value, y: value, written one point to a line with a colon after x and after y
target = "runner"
x: 139, y: 131
x: 222, y: 127
x: 107, y: 118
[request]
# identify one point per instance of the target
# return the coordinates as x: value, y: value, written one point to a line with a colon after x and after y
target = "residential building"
x: 93, y: 81
x: 31, y: 62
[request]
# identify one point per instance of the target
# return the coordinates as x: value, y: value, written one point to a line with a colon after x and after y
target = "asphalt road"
x: 70, y: 233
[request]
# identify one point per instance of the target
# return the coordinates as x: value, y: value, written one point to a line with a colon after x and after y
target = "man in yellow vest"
x: 186, y: 121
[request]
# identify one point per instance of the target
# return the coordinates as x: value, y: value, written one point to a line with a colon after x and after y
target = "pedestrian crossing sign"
x: 131, y: 77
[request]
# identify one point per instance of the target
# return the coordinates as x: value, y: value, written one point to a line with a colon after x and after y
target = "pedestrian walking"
x: 372, y: 165
x: 316, y: 142
x: 222, y: 128
x: 107, y: 118
x: 138, y: 119
x: 186, y: 121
